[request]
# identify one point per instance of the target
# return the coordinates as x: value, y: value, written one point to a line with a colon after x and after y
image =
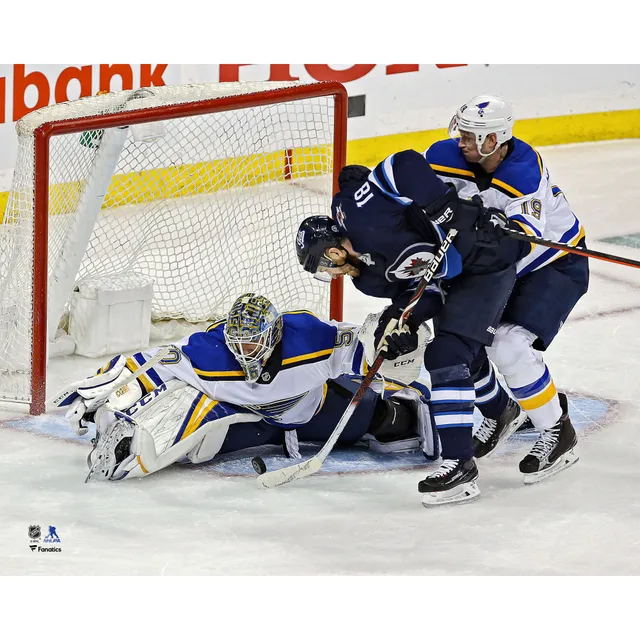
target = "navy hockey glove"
x: 452, y: 212
x: 489, y: 230
x: 352, y: 174
x: 393, y: 340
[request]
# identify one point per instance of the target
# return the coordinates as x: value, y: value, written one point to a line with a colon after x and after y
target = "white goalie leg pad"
x: 404, y: 369
x: 425, y: 425
x: 172, y: 423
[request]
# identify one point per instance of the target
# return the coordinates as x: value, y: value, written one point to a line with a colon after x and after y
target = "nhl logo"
x: 34, y: 531
x: 266, y: 376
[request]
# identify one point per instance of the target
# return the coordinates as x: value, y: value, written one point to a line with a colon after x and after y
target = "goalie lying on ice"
x: 295, y: 377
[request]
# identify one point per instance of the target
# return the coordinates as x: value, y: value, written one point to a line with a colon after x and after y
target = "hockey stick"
x: 308, y: 467
x: 54, y: 403
x: 588, y: 253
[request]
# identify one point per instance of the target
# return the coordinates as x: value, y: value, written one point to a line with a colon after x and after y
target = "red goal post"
x: 291, y: 112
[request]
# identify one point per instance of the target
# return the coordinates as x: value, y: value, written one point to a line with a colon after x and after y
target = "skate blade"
x: 507, y: 433
x: 563, y: 462
x: 463, y: 493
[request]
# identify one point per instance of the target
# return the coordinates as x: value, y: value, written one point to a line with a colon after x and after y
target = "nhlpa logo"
x: 300, y: 239
x: 340, y: 217
x: 481, y: 107
x: 52, y: 536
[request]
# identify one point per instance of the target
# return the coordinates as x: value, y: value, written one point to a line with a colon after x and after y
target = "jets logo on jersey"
x: 481, y: 107
x: 340, y: 216
x: 411, y: 263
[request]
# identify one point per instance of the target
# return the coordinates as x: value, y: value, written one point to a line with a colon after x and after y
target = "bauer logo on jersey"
x: 411, y: 263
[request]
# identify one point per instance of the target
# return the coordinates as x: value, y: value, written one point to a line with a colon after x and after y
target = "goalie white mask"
x: 252, y: 331
x: 481, y: 116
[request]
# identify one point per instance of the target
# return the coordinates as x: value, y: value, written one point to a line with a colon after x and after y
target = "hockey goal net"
x: 198, y: 188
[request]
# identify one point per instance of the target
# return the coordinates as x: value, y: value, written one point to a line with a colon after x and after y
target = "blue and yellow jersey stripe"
x: 572, y: 237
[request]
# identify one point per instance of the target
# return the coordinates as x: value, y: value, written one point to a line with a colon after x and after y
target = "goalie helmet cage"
x: 222, y: 171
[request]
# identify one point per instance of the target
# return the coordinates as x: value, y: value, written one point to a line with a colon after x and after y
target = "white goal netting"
x: 206, y: 207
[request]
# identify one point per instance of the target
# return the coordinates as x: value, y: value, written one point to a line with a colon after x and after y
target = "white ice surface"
x: 195, y: 521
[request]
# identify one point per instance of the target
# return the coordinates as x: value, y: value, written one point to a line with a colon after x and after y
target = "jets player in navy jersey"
x: 259, y: 377
x: 483, y: 159
x: 387, y: 226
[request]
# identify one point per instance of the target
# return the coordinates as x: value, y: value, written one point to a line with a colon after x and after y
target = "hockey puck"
x: 258, y: 464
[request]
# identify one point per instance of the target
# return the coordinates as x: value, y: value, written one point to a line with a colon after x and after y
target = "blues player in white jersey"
x: 482, y: 158
x: 259, y: 377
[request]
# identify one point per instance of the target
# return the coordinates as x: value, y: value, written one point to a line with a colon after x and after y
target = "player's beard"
x: 351, y: 266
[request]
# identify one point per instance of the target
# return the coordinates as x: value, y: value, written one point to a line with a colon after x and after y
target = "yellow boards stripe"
x: 175, y: 182
x: 191, y: 179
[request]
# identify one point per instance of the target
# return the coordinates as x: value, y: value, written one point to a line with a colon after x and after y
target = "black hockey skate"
x: 492, y: 432
x: 554, y: 449
x: 526, y: 428
x: 452, y: 481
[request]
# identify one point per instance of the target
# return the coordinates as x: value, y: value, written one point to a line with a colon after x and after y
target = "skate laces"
x: 444, y: 468
x: 486, y: 429
x: 545, y: 443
